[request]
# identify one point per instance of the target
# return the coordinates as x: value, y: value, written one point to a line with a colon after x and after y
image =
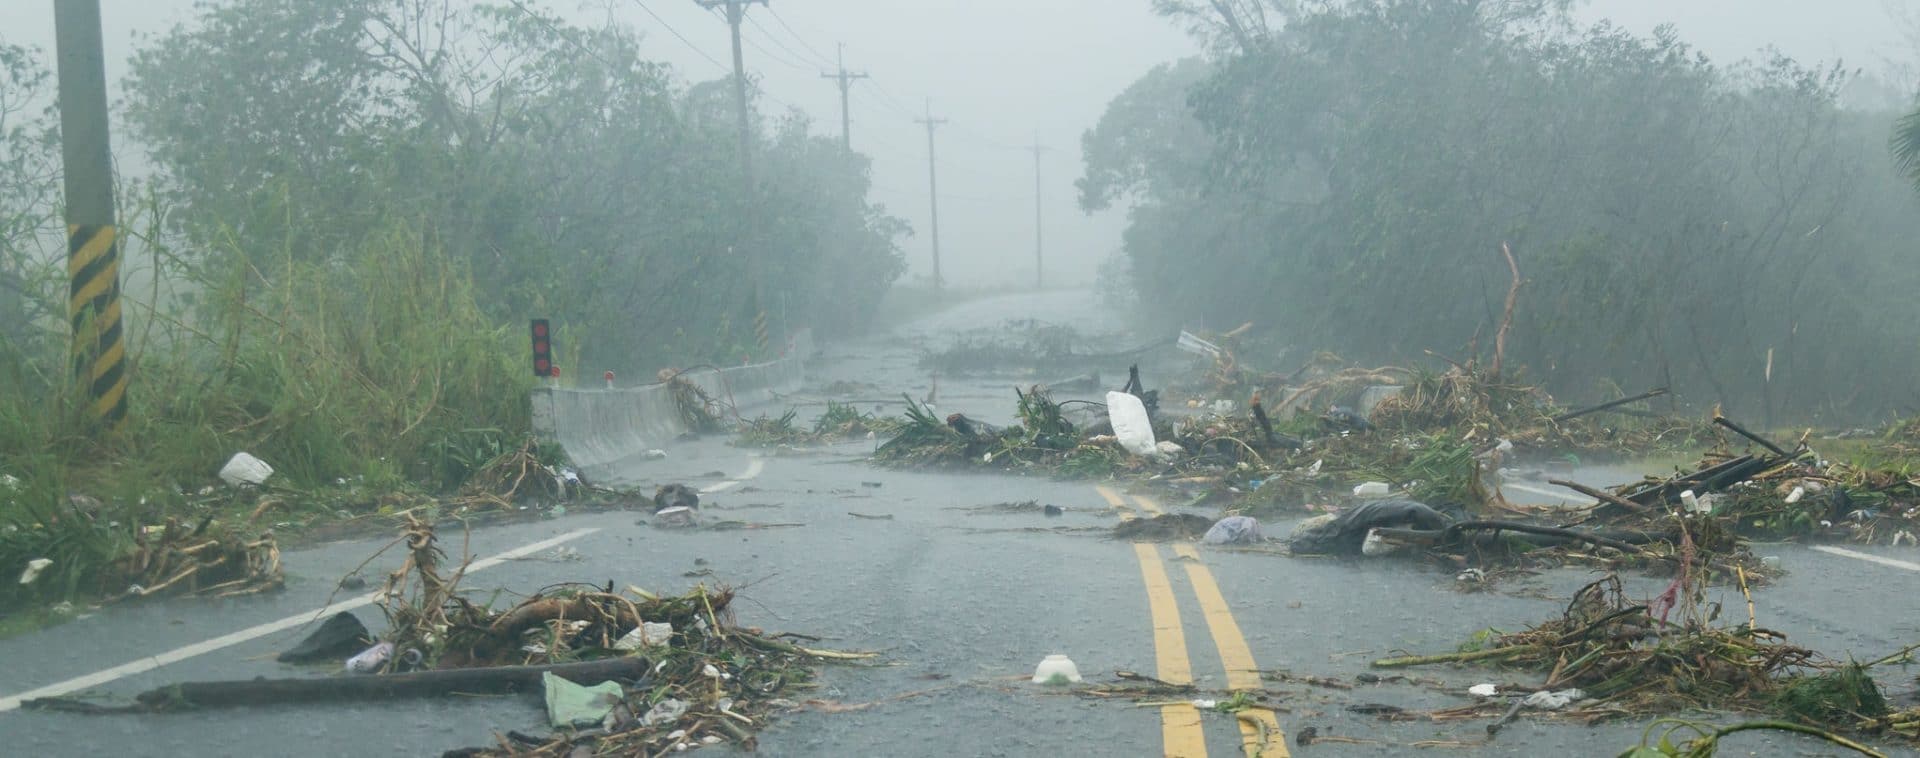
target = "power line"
x: 575, y: 44
x: 797, y: 36
x: 803, y: 64
x: 944, y: 196
x: 887, y: 97
x: 677, y: 35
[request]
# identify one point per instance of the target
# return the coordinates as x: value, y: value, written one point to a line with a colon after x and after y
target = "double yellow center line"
x: 1181, y: 734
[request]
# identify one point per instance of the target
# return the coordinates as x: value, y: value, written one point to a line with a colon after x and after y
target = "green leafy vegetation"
x: 355, y: 207
x: 1343, y: 174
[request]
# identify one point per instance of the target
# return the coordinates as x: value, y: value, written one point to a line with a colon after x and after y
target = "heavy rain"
x: 1050, y: 378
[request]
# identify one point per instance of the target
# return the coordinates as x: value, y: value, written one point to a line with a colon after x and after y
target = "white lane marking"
x: 753, y: 469
x: 176, y: 655
x: 1868, y: 557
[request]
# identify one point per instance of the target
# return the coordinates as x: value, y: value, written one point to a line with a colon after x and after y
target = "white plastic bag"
x: 1056, y: 669
x: 243, y: 469
x: 1233, y: 530
x: 1130, y: 423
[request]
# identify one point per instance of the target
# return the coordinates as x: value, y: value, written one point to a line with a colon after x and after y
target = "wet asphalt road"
x: 960, y: 602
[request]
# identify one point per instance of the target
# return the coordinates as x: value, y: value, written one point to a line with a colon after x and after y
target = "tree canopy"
x: 1346, y: 172
x: 575, y: 178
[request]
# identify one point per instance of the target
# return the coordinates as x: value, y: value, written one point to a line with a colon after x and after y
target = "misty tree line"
x: 565, y: 173
x: 1344, y: 173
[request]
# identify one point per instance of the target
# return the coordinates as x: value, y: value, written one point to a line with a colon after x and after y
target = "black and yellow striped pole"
x: 93, y: 250
x: 760, y: 329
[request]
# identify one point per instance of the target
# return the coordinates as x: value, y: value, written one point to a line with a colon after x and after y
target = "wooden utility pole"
x: 736, y: 13
x: 933, y: 189
x: 1039, y: 248
x: 845, y: 80
x: 93, y: 250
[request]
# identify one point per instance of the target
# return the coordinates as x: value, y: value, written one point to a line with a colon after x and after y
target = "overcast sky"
x: 1005, y: 72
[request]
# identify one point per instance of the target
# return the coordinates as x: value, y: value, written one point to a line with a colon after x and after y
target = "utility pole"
x: 93, y: 251
x: 933, y: 189
x: 1039, y: 249
x: 736, y: 13
x: 846, y: 87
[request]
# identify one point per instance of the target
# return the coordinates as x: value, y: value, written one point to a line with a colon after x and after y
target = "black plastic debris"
x: 675, y: 496
x: 1345, y: 533
x: 340, y: 635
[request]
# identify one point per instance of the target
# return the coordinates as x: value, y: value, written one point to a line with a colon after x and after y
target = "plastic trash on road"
x: 33, y: 569
x: 1372, y: 489
x: 675, y: 495
x: 244, y: 469
x: 1233, y: 530
x: 1485, y: 689
x: 1695, y: 504
x: 675, y: 517
x: 1130, y: 423
x: 1056, y: 669
x: 1376, y: 545
x: 371, y: 660
x: 1192, y: 344
x: 340, y: 633
x: 570, y: 704
x: 1346, y: 534
x: 647, y: 634
x: 1552, y: 700
x: 665, y: 712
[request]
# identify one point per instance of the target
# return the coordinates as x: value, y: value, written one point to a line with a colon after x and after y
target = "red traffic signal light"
x: 543, y: 350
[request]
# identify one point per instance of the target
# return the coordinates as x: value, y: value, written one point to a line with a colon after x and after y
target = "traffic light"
x: 542, y: 350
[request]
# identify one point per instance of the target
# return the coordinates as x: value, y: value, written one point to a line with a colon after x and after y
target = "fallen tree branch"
x: 1609, y: 405
x: 782, y: 647
x: 1506, y: 319
x: 1440, y: 535
x: 1475, y: 655
x: 1601, y: 495
x: 1757, y: 439
x: 254, y: 692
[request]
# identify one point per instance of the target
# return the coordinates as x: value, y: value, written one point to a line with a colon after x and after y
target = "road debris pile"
x: 1044, y: 439
x: 1020, y: 346
x: 839, y: 423
x: 1165, y: 527
x: 700, y: 412
x: 516, y: 476
x: 1778, y: 494
x: 204, y: 560
x: 623, y: 673
x: 1612, y: 658
x: 1466, y: 401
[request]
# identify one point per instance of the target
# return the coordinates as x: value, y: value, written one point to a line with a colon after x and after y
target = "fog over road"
x: 961, y: 602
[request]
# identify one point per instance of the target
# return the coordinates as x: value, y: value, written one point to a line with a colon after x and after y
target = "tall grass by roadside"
x: 378, y: 368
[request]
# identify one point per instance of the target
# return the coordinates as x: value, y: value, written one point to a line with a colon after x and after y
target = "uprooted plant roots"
x: 1630, y: 659
x: 708, y: 681
x: 176, y: 560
